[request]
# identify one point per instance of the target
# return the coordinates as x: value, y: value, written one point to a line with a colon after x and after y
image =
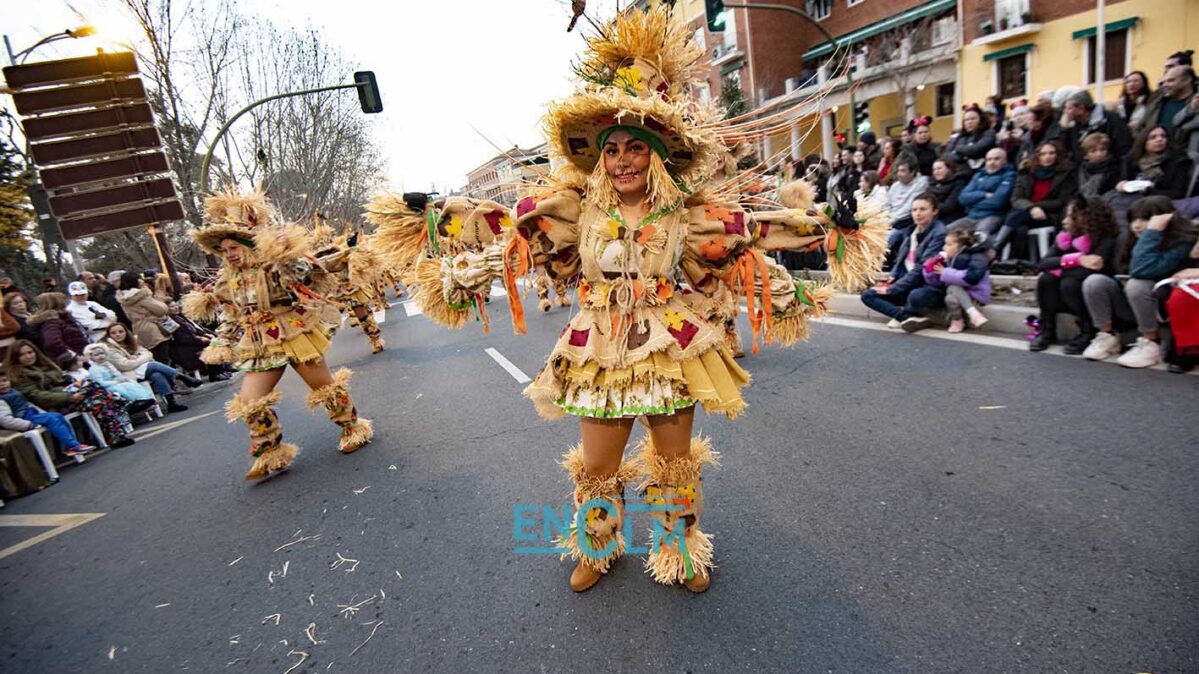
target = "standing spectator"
x: 1087, y: 118
x: 1163, y: 242
x: 908, y: 298
x: 1133, y: 104
x: 868, y: 145
x: 17, y: 306
x: 1085, y: 246
x: 1177, y: 89
x: 949, y: 179
x: 187, y: 343
x: 108, y: 296
x: 1179, y: 58
x: 969, y: 145
x: 58, y: 331
x: 1042, y: 127
x: 49, y: 284
x: 922, y: 146
x: 1042, y: 190
x: 91, y: 315
x: 147, y: 315
x: 844, y: 179
x: 993, y: 111
x: 963, y: 270
x: 17, y: 414
x: 44, y: 385
x: 891, y: 149
x: 163, y: 291
x: 908, y: 184
x: 1100, y: 172
x: 870, y: 191
x: 107, y: 375
x: 129, y: 357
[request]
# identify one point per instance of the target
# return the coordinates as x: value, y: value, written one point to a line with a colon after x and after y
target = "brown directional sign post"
x: 92, y: 137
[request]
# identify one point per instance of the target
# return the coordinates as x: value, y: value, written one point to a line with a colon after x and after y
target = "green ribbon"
x: 432, y: 215
x: 648, y: 137
x: 686, y: 556
x: 840, y: 247
x: 649, y: 219
x: 800, y: 286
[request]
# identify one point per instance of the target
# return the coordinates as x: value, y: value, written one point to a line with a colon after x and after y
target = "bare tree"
x: 897, y: 51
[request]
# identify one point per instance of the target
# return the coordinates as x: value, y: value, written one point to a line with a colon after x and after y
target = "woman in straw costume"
x: 270, y: 318
x: 653, y: 253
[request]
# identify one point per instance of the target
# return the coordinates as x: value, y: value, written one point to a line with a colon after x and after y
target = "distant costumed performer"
x: 356, y: 272
x: 628, y: 213
x: 270, y: 317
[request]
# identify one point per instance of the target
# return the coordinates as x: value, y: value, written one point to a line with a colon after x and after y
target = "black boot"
x: 190, y: 380
x: 1042, y: 341
x: 173, y: 406
x: 1079, y: 344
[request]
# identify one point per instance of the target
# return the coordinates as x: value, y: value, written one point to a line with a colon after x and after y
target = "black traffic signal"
x: 368, y: 92
x: 861, y: 114
x: 714, y: 9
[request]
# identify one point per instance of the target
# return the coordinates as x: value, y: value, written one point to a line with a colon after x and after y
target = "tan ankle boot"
x: 698, y: 583
x: 583, y: 577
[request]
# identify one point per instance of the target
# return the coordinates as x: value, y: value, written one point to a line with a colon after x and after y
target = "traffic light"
x: 861, y: 116
x: 714, y: 9
x: 368, y: 92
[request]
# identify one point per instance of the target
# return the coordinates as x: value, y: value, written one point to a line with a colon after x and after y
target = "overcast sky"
x: 443, y: 66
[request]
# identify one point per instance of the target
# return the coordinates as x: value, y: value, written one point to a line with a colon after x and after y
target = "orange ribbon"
x: 301, y: 289
x: 752, y: 261
x: 483, y: 312
x: 519, y: 246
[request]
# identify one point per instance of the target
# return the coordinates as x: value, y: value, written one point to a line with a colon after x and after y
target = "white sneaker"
x: 914, y: 323
x: 1145, y: 353
x: 894, y: 324
x: 1103, y: 346
x: 977, y: 319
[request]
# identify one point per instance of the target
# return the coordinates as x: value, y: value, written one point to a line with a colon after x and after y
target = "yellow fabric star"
x: 673, y: 319
x: 613, y: 229
x: 454, y: 228
x: 628, y: 78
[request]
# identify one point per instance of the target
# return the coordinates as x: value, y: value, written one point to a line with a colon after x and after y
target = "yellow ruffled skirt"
x: 656, y: 384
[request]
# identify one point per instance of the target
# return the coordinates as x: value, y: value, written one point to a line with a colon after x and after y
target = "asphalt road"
x: 888, y: 504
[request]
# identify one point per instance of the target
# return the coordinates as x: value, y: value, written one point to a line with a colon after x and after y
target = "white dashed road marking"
x: 520, y: 377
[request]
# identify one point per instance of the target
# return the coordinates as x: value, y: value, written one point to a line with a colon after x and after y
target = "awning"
x: 927, y: 9
x: 1109, y: 28
x: 731, y: 66
x: 1004, y: 53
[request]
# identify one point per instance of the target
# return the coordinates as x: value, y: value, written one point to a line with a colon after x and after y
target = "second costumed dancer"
x: 655, y: 258
x: 270, y: 318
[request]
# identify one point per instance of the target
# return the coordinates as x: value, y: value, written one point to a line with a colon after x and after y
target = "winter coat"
x: 1054, y: 203
x: 1099, y: 178
x: 970, y: 150
x: 1151, y: 263
x: 121, y: 384
x: 108, y: 299
x: 93, y: 316
x: 10, y: 327
x: 948, y: 193
x: 43, y: 387
x: 58, y: 332
x: 928, y: 244
x: 1175, y: 178
x: 186, y: 345
x: 925, y: 155
x: 969, y: 269
x: 999, y: 185
x: 144, y: 312
x: 1067, y: 251
x: 1102, y: 121
x: 123, y: 361
x: 13, y: 410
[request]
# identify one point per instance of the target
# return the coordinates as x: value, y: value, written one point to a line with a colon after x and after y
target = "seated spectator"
x: 17, y: 414
x: 1085, y: 246
x: 129, y: 357
x: 962, y: 269
x: 187, y: 343
x: 969, y: 146
x: 1100, y: 172
x: 870, y: 191
x: 1163, y: 241
x: 17, y: 306
x: 922, y: 146
x: 844, y: 180
x: 988, y: 195
x: 949, y: 179
x: 892, y: 147
x: 44, y: 385
x: 147, y: 315
x: 1042, y: 190
x: 74, y: 365
x: 92, y: 316
x: 1087, y: 118
x: 1155, y: 161
x: 1133, y: 102
x: 107, y: 375
x: 908, y: 298
x: 870, y: 149
x: 908, y: 184
x: 1178, y: 302
x: 58, y: 332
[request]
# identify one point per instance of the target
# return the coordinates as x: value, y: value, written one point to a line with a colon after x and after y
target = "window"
x: 1116, y: 61
x: 730, y: 31
x: 1013, y: 76
x: 818, y: 9
x: 699, y: 38
x: 945, y: 95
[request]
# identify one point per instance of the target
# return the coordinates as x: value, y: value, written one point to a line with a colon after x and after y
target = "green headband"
x: 655, y: 143
x: 248, y: 243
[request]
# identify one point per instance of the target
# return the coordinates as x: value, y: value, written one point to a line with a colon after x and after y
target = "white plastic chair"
x: 93, y: 427
x: 1044, y: 237
x: 43, y: 452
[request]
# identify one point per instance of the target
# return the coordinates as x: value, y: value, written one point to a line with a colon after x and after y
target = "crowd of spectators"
x: 1098, y: 200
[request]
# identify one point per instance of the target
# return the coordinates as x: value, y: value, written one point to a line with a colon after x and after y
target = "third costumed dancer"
x: 626, y: 214
x: 270, y: 318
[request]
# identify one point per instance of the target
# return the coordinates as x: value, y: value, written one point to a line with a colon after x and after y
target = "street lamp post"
x: 35, y: 186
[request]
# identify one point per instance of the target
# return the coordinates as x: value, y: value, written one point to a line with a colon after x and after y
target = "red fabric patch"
x: 525, y: 206
x: 579, y: 337
x: 762, y: 230
x: 684, y: 335
x: 737, y: 226
x: 493, y: 221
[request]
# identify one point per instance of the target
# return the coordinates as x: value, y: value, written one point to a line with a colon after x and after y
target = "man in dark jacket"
x: 1088, y: 118
x: 908, y: 298
x: 868, y: 144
